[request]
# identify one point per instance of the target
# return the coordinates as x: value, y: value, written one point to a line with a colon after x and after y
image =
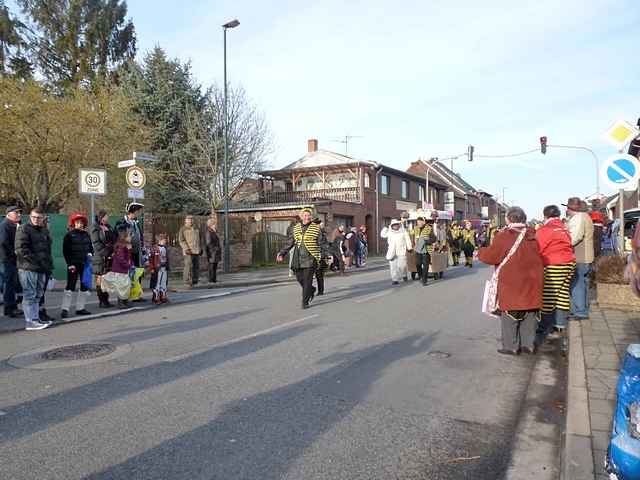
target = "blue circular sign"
x: 621, y: 171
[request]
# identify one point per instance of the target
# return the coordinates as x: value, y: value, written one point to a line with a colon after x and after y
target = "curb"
x: 577, y: 452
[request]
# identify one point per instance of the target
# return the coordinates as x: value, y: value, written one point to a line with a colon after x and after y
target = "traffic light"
x: 470, y: 152
x: 543, y: 145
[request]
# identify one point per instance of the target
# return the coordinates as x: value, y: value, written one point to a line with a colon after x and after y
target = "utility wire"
x: 510, y: 155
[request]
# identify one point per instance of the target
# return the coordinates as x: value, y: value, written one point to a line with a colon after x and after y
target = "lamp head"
x: 232, y: 24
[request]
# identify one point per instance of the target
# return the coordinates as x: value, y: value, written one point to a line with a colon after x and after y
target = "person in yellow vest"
x: 309, y: 247
x: 468, y: 236
x: 424, y: 239
x: 455, y: 243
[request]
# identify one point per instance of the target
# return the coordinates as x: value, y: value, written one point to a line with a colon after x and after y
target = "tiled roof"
x: 320, y: 158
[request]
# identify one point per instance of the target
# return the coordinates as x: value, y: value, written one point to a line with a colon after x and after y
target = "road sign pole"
x: 621, y: 218
x: 93, y: 209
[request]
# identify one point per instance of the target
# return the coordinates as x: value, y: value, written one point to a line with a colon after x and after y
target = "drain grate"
x: 84, y: 351
x: 439, y: 354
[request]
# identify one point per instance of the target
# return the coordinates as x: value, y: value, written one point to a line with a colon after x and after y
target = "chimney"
x: 312, y: 145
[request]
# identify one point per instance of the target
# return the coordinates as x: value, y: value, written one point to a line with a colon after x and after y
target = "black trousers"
x: 305, y: 279
x: 423, y: 260
x: 213, y: 269
x: 73, y: 277
x: 320, y: 278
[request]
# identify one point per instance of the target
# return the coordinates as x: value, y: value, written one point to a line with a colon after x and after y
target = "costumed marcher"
x: 77, y: 251
x: 364, y: 245
x: 212, y: 249
x: 455, y: 243
x: 134, y: 212
x: 103, y: 237
x: 323, y: 265
x: 554, y: 241
x: 398, y: 244
x: 520, y: 278
x: 425, y: 240
x: 468, y: 238
x: 117, y: 281
x: 159, y: 268
x: 338, y: 249
x: 308, y: 249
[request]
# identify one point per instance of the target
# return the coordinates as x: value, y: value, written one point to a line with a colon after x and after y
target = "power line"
x: 509, y: 155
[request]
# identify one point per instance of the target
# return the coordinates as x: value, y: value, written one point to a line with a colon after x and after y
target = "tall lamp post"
x: 227, y: 263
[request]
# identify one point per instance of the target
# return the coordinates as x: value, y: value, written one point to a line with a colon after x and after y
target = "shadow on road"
x: 261, y: 436
x: 39, y: 414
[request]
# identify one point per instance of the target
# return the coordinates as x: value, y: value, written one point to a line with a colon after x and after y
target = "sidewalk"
x: 596, y: 348
x: 178, y: 294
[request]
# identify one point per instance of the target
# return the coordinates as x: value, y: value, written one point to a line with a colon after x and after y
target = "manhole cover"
x: 439, y: 354
x: 83, y: 351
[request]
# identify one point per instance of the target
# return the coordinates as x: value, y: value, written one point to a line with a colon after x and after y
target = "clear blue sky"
x: 424, y: 78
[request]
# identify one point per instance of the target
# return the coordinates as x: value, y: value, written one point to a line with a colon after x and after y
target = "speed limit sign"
x: 92, y: 181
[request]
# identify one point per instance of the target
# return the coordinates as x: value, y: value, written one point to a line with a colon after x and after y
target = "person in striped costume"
x: 554, y: 241
x: 424, y: 239
x: 454, y: 239
x: 310, y: 247
x: 468, y: 237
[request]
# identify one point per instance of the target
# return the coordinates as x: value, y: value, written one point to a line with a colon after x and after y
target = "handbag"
x: 490, y: 304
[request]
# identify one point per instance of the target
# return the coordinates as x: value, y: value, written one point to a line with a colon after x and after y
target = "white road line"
x: 373, y: 297
x: 238, y: 339
x: 213, y: 295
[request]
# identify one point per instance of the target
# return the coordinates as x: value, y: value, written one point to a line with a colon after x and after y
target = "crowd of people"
x: 112, y: 256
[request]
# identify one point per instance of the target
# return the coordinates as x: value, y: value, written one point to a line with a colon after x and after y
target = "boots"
x: 163, y: 298
x: 82, y: 301
x: 66, y: 303
x: 103, y: 297
x: 156, y: 298
x: 122, y: 304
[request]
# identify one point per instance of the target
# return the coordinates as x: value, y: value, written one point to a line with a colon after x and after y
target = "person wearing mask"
x: 554, y: 241
x: 425, y: 239
x: 581, y: 229
x: 8, y: 261
x: 520, y: 278
x: 189, y: 240
x: 34, y: 262
x: 213, y: 250
x: 77, y: 250
x: 103, y: 237
x: 308, y: 249
x: 398, y: 244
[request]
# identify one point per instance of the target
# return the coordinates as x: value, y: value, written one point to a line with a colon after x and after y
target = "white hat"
x: 395, y: 222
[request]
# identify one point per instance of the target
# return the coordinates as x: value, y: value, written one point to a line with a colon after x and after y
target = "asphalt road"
x: 249, y: 386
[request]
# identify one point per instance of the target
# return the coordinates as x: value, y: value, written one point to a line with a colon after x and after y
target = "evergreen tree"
x: 75, y: 41
x: 12, y: 45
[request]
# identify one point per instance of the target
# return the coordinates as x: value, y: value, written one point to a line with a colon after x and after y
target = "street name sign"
x: 621, y: 133
x: 136, y: 178
x: 92, y: 181
x: 145, y: 157
x: 126, y: 163
x: 621, y: 172
x: 135, y: 193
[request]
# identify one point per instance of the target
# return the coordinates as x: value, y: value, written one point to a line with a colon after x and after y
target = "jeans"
x: 580, y: 291
x: 12, y: 286
x: 33, y: 285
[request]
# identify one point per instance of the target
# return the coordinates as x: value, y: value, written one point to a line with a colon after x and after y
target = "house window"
x: 367, y: 180
x: 405, y: 189
x: 385, y: 184
x: 421, y: 193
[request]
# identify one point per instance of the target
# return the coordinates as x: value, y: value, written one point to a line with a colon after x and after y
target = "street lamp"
x: 226, y: 265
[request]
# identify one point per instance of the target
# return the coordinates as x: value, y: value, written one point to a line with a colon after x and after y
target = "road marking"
x: 213, y: 295
x: 374, y: 296
x: 182, y: 356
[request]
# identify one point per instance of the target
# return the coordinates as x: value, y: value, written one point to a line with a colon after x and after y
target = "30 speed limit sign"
x: 92, y: 181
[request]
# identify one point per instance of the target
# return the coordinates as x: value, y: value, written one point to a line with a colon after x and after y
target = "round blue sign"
x: 621, y: 170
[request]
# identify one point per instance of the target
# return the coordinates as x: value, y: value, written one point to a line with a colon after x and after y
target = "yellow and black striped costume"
x: 425, y: 233
x: 468, y: 245
x: 557, y: 282
x: 310, y: 239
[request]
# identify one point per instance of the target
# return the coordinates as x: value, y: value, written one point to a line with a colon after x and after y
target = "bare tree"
x: 250, y: 142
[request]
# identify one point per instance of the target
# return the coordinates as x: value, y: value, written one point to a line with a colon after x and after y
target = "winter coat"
x: 137, y: 239
x: 76, y: 245
x: 554, y: 241
x: 102, y: 241
x: 33, y: 249
x: 309, y: 246
x: 212, y: 247
x: 398, y: 242
x: 522, y: 277
x: 581, y: 229
x: 189, y: 239
x: 122, y: 259
x: 8, y: 241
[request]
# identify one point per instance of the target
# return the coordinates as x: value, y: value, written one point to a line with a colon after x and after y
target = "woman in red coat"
x: 519, y: 283
x: 556, y: 249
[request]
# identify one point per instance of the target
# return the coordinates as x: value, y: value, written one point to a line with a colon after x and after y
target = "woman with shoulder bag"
x: 520, y: 278
x: 103, y: 237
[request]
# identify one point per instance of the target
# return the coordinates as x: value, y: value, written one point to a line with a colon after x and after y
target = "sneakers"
x: 32, y: 326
